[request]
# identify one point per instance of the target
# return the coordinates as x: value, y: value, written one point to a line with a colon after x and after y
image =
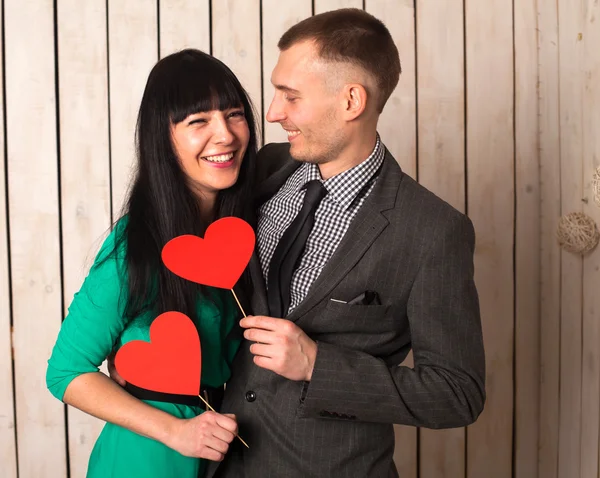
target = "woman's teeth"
x: 222, y: 158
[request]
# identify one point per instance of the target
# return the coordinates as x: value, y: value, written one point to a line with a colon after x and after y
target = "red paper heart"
x: 218, y: 260
x: 170, y: 362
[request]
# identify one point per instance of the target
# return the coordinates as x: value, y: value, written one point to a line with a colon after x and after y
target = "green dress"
x: 95, y: 322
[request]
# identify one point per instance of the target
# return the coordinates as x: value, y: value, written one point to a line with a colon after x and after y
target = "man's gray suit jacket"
x: 416, y: 252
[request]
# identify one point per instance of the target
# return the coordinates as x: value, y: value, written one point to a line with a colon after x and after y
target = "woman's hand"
x: 206, y: 436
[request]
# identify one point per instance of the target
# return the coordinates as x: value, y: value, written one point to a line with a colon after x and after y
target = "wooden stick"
x: 212, y: 409
x: 238, y: 302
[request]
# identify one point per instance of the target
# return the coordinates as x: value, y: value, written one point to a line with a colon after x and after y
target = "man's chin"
x: 296, y: 153
x: 301, y: 156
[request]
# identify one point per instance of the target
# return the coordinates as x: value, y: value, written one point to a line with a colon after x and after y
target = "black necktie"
x: 289, y: 250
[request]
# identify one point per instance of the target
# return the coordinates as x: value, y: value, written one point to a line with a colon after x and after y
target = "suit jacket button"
x: 250, y: 396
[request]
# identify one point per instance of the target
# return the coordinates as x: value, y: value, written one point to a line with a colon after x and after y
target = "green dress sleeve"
x: 94, y: 321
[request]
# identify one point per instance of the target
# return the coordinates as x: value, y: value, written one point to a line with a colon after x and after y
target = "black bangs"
x: 200, y: 82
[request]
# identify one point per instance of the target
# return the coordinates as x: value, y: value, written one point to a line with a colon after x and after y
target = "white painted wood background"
x: 497, y: 111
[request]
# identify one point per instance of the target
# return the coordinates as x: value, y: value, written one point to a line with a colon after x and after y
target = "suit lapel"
x: 368, y: 224
x: 260, y: 305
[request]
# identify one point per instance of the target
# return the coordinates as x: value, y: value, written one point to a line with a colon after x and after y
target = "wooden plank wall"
x: 490, y: 204
x: 527, y: 240
x: 497, y: 112
x: 550, y: 266
x: 34, y: 222
x: 8, y: 455
x: 589, y: 122
x: 84, y: 168
x: 577, y: 102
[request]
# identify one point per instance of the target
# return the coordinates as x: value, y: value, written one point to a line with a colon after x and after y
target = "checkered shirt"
x: 346, y: 193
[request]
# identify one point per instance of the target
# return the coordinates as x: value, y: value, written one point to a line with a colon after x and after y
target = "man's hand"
x: 281, y: 347
x: 112, y: 370
x: 206, y: 436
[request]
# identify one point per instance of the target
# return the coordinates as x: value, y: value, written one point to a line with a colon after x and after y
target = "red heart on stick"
x: 218, y: 260
x: 170, y: 363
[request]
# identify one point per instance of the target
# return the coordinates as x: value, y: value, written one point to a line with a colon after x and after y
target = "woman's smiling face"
x: 210, y: 146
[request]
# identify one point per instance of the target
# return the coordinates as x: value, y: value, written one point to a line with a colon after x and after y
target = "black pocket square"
x: 368, y: 297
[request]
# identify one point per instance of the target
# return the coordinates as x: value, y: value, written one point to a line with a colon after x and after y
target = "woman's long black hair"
x: 160, y: 204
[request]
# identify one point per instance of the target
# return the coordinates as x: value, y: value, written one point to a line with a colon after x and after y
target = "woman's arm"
x: 95, y: 321
x: 205, y: 436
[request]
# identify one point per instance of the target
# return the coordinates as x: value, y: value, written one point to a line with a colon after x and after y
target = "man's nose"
x: 275, y: 112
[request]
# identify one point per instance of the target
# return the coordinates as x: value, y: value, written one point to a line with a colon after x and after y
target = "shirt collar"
x: 344, y: 187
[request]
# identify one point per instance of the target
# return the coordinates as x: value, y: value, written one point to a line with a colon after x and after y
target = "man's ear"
x: 354, y: 101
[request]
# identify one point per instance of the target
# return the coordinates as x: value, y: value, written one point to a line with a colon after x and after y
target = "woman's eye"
x: 197, y: 121
x: 236, y: 113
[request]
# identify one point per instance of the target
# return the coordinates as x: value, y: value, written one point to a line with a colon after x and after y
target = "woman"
x: 196, y: 149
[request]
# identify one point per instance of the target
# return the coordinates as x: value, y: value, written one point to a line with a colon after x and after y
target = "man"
x: 356, y: 264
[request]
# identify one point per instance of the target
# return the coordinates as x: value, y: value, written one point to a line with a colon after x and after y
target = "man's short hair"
x: 351, y: 35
